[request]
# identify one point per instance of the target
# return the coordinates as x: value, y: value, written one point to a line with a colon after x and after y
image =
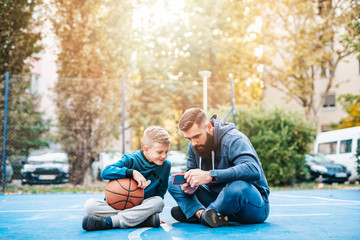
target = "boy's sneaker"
x: 178, y: 215
x: 93, y: 223
x: 152, y: 221
x: 213, y: 219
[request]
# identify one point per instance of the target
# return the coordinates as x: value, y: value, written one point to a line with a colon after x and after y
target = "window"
x: 326, y: 70
x: 329, y: 101
x: 326, y: 127
x: 345, y: 146
x: 324, y: 6
x: 34, y: 87
x: 327, y: 148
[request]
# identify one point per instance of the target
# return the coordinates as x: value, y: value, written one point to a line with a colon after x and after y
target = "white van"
x: 340, y: 146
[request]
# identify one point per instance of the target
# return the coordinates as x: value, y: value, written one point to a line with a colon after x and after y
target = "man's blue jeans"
x: 239, y: 200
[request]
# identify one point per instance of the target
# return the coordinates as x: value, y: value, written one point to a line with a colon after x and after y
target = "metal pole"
x: 232, y: 98
x: 205, y: 94
x: 5, y: 128
x: 123, y: 112
x: 205, y: 75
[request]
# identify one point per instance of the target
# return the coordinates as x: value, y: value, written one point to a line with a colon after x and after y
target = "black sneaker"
x: 93, y: 223
x: 152, y: 221
x: 213, y: 219
x: 178, y: 215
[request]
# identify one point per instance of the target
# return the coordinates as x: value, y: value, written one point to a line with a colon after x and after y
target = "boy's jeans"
x: 239, y: 200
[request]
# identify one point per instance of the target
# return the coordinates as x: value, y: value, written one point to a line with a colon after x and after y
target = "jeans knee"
x: 236, y: 190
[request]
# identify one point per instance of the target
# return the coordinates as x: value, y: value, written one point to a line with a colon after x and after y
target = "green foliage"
x: 280, y: 138
x: 94, y: 40
x: 302, y: 36
x: 351, y: 105
x: 19, y: 40
x: 205, y: 35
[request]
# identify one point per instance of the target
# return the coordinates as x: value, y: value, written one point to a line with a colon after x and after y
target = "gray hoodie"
x: 235, y: 159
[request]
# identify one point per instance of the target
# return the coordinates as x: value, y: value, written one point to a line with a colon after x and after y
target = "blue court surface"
x: 306, y: 214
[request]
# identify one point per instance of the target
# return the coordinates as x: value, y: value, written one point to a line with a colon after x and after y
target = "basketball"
x: 123, y: 193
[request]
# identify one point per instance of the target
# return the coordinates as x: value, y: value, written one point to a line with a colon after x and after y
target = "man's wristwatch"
x: 213, y: 175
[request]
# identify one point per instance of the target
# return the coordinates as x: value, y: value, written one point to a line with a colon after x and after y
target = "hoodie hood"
x: 220, y: 129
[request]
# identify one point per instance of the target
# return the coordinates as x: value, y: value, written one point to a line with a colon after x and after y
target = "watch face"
x: 213, y: 174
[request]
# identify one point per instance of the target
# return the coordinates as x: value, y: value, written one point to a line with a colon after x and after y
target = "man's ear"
x: 145, y: 148
x: 210, y: 127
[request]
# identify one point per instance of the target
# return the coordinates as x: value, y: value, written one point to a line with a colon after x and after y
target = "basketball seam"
x: 128, y: 190
x: 121, y: 194
x: 129, y: 198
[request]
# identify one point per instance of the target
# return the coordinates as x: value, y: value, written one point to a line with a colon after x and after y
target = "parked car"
x: 340, y: 146
x: 105, y: 159
x: 178, y: 161
x: 9, y: 172
x: 46, y: 168
x: 326, y: 170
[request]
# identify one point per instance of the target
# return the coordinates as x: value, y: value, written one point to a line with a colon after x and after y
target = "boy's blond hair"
x: 155, y: 134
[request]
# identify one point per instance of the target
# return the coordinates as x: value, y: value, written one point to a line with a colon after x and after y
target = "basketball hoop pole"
x: 123, y: 112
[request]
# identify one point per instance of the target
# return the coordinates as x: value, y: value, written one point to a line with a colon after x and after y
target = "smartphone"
x: 179, y: 179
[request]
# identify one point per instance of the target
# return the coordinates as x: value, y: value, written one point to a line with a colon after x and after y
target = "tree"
x: 19, y: 40
x: 351, y: 105
x: 94, y: 48
x: 303, y: 39
x: 204, y: 35
x: 281, y: 138
x: 217, y: 36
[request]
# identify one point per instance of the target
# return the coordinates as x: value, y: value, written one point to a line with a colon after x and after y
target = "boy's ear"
x: 145, y: 148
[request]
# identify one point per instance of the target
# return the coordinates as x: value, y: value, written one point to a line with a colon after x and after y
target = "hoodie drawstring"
x: 212, y: 160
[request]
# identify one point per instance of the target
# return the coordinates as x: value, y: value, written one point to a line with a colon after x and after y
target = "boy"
x: 150, y: 170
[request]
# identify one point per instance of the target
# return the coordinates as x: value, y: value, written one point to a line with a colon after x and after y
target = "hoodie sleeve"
x: 245, y: 163
x: 191, y: 161
x: 121, y: 169
x: 164, y: 183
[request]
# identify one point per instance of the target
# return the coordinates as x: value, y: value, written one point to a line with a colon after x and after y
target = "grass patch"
x: 54, y: 188
x: 314, y: 185
x: 98, y: 187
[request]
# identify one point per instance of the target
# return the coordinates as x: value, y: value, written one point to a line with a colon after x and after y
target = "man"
x: 225, y: 179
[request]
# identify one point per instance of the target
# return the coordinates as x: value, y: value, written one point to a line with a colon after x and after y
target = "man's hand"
x: 139, y: 178
x: 196, y: 177
x: 188, y: 189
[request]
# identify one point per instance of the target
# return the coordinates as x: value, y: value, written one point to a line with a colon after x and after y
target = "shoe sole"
x: 214, y: 220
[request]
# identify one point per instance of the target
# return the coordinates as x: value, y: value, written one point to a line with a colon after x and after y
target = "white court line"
x: 299, y: 215
x: 312, y: 204
x: 135, y: 235
x: 167, y: 226
x: 43, y: 210
x: 314, y: 197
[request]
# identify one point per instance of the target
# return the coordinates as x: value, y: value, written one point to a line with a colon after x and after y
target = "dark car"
x: 47, y: 168
x: 326, y: 170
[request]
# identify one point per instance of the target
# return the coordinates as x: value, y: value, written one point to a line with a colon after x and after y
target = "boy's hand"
x: 188, y: 189
x: 139, y: 178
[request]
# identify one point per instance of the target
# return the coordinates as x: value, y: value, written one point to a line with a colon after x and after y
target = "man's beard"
x: 207, y: 147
